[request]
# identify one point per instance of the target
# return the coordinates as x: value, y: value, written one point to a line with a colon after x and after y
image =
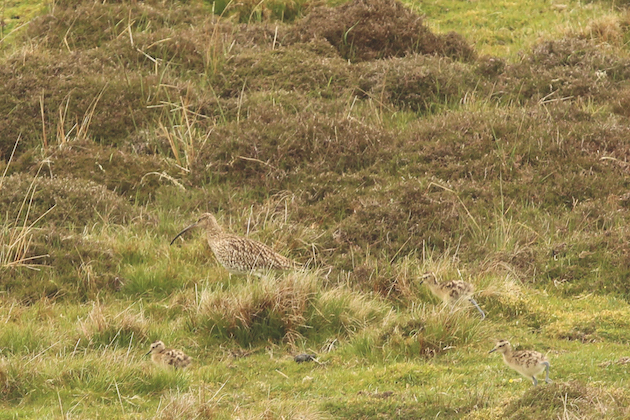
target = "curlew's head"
x: 156, y: 347
x: 207, y: 221
x: 430, y: 278
x: 502, y: 346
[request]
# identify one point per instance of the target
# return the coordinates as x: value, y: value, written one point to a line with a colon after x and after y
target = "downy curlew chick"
x: 160, y: 355
x: 239, y: 255
x: 451, y: 291
x: 528, y: 363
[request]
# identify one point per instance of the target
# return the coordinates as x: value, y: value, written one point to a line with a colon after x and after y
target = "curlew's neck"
x: 507, y: 353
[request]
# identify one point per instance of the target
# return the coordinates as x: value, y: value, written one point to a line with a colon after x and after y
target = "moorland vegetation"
x: 373, y: 141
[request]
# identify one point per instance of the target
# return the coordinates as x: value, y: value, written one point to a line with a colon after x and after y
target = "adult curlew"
x: 160, y: 355
x: 528, y: 363
x: 451, y: 291
x: 239, y: 255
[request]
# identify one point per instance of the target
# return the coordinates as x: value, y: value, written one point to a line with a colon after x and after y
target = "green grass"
x: 508, y: 28
x: 15, y: 14
x: 367, y: 152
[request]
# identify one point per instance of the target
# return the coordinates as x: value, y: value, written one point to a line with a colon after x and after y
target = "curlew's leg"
x: 535, y: 380
x: 547, y: 372
x: 474, y: 302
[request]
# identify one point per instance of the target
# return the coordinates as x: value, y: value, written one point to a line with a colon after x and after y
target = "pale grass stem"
x: 41, y: 108
x: 183, y: 134
x: 460, y: 201
x: 82, y: 128
x: 212, y: 53
x: 16, y: 240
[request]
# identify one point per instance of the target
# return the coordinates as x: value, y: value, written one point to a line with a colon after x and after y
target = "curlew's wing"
x: 240, y: 254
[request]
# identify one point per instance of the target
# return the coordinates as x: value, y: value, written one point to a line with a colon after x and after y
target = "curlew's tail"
x: 474, y: 302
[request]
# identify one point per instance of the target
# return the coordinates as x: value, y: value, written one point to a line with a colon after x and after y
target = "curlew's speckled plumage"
x: 168, y: 357
x: 451, y: 291
x: 239, y: 255
x: 528, y: 363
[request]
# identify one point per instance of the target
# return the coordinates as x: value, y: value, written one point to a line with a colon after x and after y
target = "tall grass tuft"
x: 102, y: 329
x: 180, y: 126
x: 17, y: 235
x: 258, y: 310
x: 424, y: 332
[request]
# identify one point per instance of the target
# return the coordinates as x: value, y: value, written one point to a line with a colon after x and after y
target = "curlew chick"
x: 239, y: 255
x: 451, y: 291
x: 160, y: 355
x: 528, y: 363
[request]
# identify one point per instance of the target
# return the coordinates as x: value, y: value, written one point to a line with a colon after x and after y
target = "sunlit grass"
x: 509, y: 28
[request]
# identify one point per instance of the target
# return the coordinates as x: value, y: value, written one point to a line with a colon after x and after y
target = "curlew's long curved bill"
x: 493, y: 350
x: 184, y: 231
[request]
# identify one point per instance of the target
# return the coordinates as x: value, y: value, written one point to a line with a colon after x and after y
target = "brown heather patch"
x: 273, y: 145
x: 574, y: 52
x: 419, y: 83
x: 521, y: 149
x: 620, y: 102
x: 371, y: 29
x: 254, y: 11
x: 183, y: 36
x: 77, y: 202
x: 400, y: 220
x: 133, y: 176
x: 79, y: 97
x: 565, y: 69
x: 88, y: 24
x: 312, y: 68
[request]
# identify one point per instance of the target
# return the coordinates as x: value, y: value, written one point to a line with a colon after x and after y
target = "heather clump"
x: 368, y: 29
x: 274, y: 145
x: 424, y: 84
x: 74, y: 202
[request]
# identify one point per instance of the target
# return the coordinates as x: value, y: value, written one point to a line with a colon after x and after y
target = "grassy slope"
x: 506, y: 28
x: 509, y: 173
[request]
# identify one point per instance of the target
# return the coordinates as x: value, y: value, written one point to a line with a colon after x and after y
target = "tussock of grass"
x: 269, y: 309
x: 100, y: 329
x: 569, y: 399
x: 425, y: 332
x: 176, y: 405
x: 76, y: 202
x: 344, y: 312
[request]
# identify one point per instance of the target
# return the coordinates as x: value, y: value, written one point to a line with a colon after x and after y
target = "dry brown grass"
x: 102, y: 328
x: 569, y: 400
x: 264, y: 304
x: 199, y: 405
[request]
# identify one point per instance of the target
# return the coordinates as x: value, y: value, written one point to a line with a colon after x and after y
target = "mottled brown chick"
x: 160, y: 355
x: 451, y: 291
x: 528, y: 363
